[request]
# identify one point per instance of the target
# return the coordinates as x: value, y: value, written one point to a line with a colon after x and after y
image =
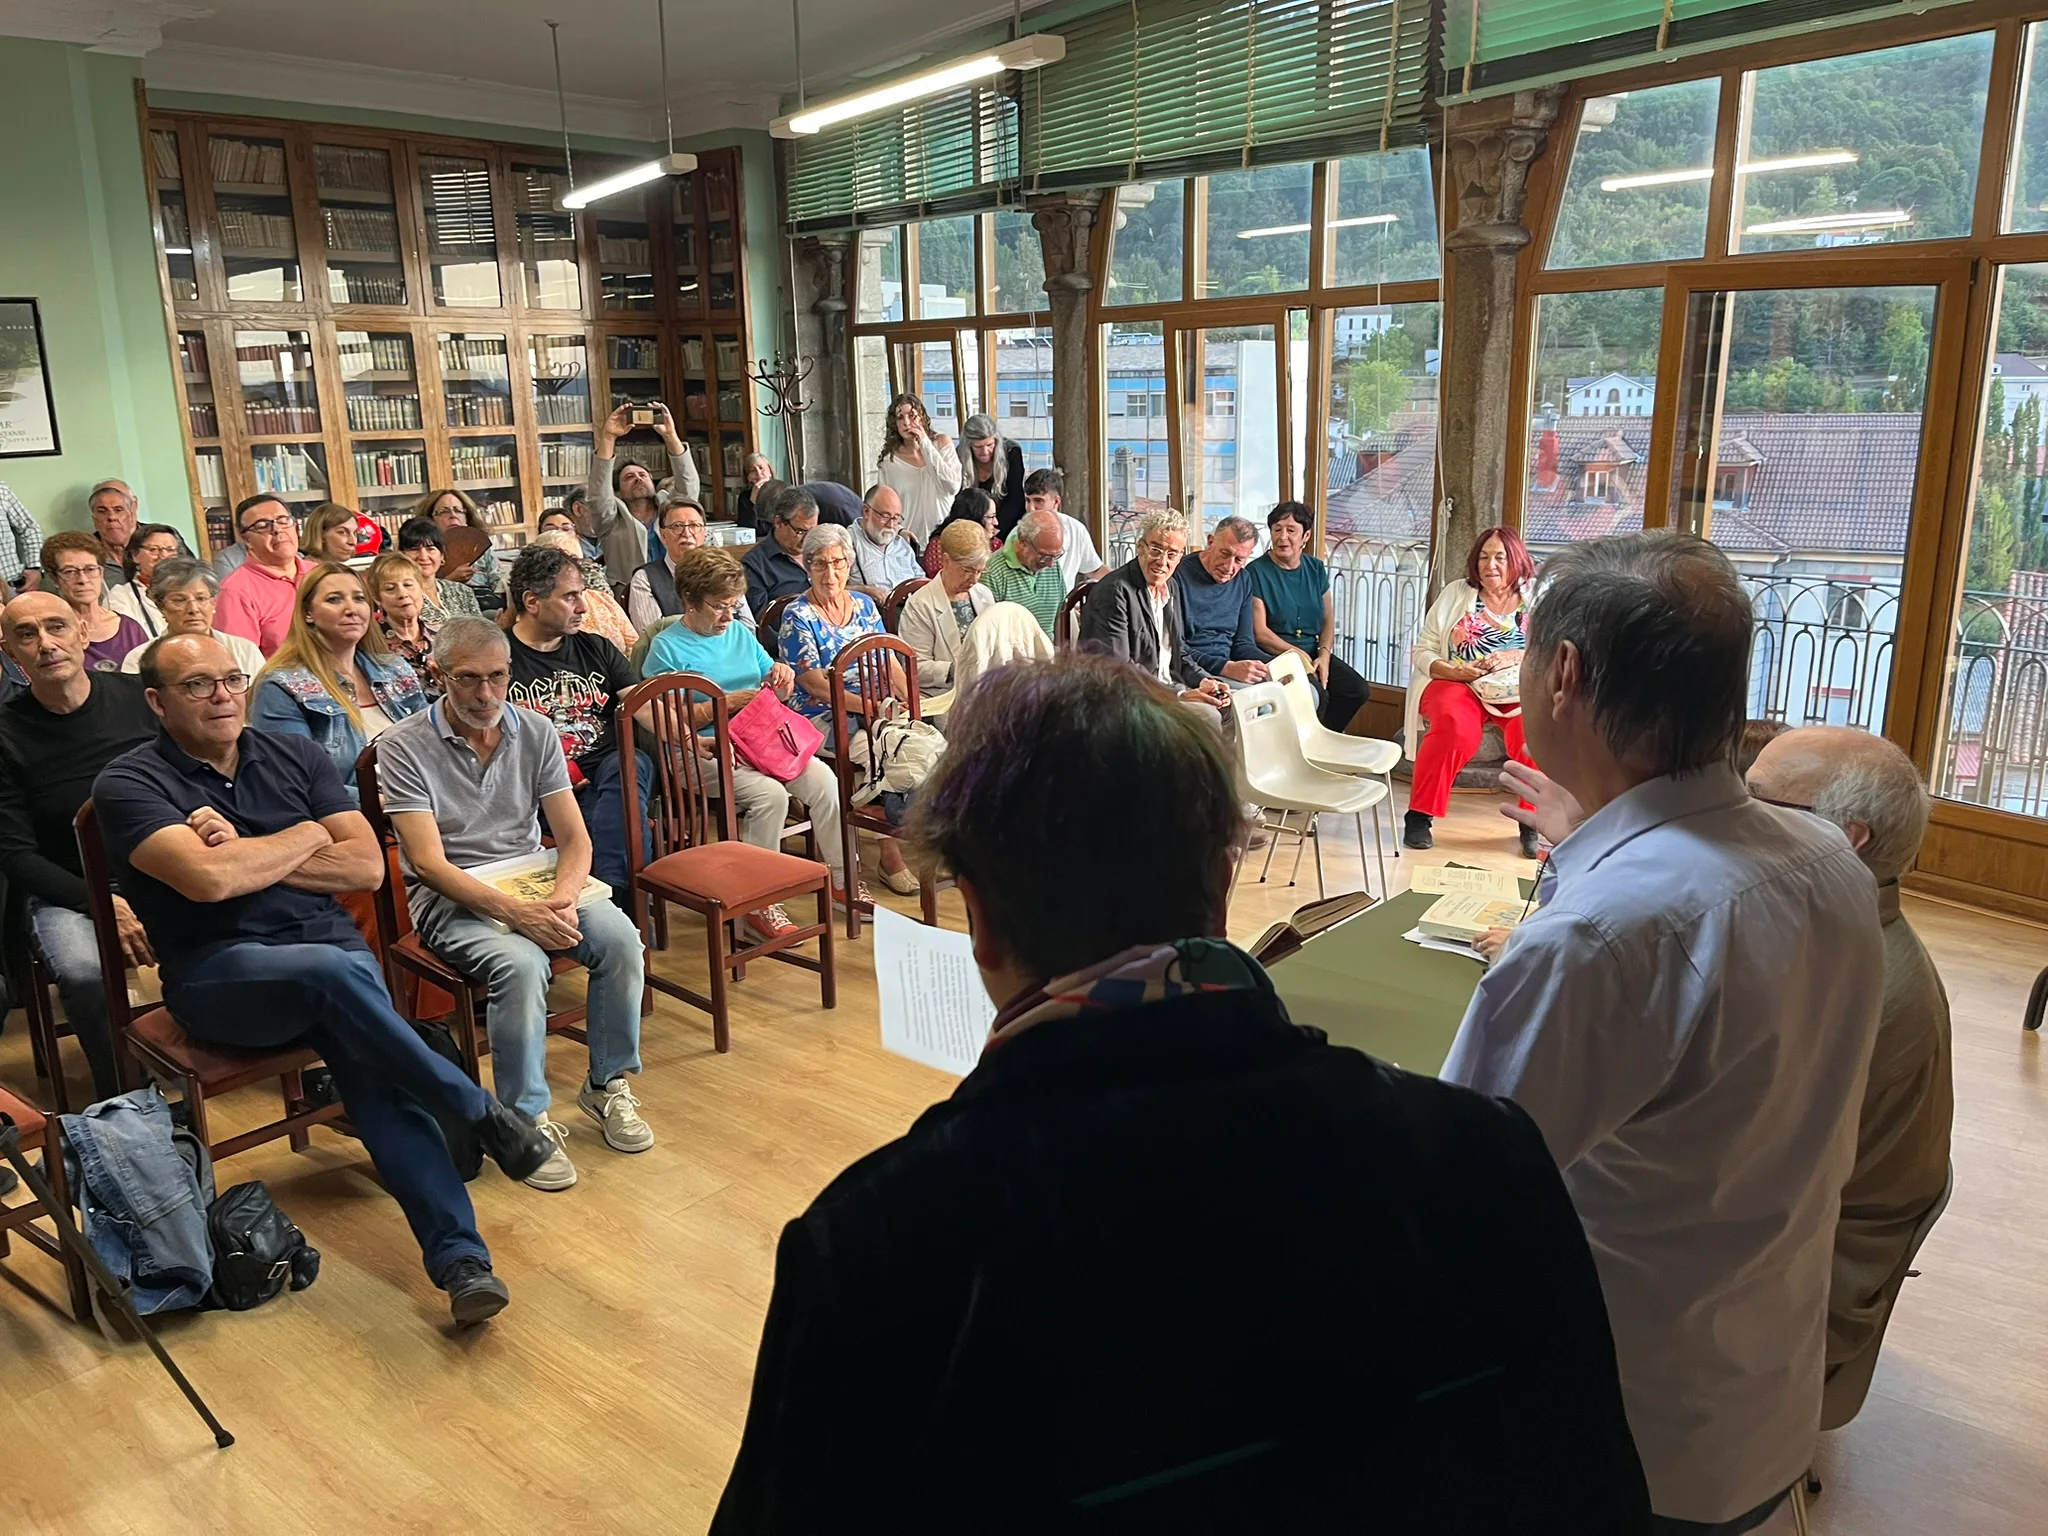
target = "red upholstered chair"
x: 156, y: 1041
x: 720, y: 880
x: 417, y: 976
x: 40, y: 1134
x: 878, y: 667
x: 1066, y: 624
x: 892, y: 605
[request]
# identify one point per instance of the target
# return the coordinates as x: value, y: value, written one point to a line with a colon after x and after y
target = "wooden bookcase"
x: 360, y: 317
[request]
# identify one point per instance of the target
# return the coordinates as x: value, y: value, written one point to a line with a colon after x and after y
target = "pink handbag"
x: 773, y: 738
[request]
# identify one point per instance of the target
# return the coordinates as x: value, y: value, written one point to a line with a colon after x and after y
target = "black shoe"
x: 514, y: 1142
x: 9, y: 1180
x: 475, y: 1295
x: 1529, y: 842
x: 1415, y: 831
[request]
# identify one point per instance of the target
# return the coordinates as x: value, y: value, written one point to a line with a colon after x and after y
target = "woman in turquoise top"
x: 1292, y: 610
x: 333, y: 678
x: 704, y: 639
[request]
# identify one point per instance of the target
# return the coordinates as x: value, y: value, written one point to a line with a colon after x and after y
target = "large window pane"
x: 1641, y: 169
x: 935, y: 385
x: 1230, y: 425
x: 880, y: 280
x: 1136, y: 432
x: 2026, y: 192
x: 1145, y: 253
x: 871, y: 403
x: 1592, y: 383
x: 1868, y: 149
x: 1019, y: 281
x: 1256, y: 232
x: 1384, y: 226
x: 945, y: 268
x: 1023, y: 400
x: 1993, y: 748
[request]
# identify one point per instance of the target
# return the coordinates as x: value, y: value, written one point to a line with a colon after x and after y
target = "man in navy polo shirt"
x: 230, y: 844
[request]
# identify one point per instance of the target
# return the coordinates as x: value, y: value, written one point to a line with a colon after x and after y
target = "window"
x: 1256, y: 231
x: 1642, y: 166
x: 1383, y: 220
x: 946, y: 289
x: 1017, y: 406
x: 1134, y: 405
x: 1221, y: 402
x: 1597, y: 483
x: 1018, y: 283
x: 1135, y: 445
x: 879, y: 279
x: 1582, y: 339
x: 1145, y: 257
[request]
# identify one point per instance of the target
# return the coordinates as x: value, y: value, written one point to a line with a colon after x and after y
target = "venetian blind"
x: 946, y: 154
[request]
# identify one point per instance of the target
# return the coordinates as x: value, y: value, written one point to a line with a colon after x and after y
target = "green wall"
x: 75, y: 235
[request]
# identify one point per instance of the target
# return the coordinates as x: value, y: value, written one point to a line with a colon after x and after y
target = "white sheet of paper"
x: 1444, y: 880
x: 934, y: 1007
x: 1448, y: 946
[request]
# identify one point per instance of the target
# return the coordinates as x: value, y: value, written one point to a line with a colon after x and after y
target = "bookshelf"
x: 364, y: 317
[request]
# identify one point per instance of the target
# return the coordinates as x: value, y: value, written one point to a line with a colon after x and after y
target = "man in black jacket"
x: 1135, y: 614
x: 1167, y: 1262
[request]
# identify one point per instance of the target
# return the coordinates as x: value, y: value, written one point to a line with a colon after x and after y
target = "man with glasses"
x: 231, y: 845
x: 774, y: 565
x: 257, y: 596
x: 1045, y: 490
x: 652, y: 596
x: 1027, y: 568
x: 1217, y: 608
x: 55, y: 737
x: 465, y: 783
x: 882, y: 554
x: 1134, y: 614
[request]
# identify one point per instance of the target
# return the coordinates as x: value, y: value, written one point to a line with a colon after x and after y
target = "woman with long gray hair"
x: 996, y: 465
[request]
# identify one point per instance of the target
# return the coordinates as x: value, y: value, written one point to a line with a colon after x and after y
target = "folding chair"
x: 1279, y: 777
x: 1333, y: 751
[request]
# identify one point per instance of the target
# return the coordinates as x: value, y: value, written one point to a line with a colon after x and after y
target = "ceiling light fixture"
x: 1302, y: 229
x: 1033, y: 52
x: 670, y: 164
x: 1753, y: 168
x: 1821, y: 222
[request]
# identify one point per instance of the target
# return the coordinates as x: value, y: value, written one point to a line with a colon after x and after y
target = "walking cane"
x: 10, y: 1148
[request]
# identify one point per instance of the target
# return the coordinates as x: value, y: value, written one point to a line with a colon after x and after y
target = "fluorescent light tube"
x: 1753, y: 168
x: 1822, y: 222
x: 1033, y: 52
x: 1302, y: 229
x: 632, y: 176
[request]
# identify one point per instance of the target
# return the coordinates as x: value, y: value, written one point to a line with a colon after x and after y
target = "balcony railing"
x: 1994, y: 742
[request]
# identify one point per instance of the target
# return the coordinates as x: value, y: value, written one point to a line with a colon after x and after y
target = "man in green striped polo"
x: 1027, y: 568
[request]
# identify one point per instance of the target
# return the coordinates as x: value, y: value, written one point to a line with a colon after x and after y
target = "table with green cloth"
x: 1364, y: 985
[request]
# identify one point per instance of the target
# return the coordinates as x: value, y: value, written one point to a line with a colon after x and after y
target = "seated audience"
x: 1045, y: 490
x: 257, y: 597
x: 837, y: 504
x: 420, y: 541
x: 652, y: 597
x: 621, y: 495
x: 454, y: 509
x: 55, y: 737
x: 969, y: 506
x: 1870, y: 789
x: 332, y: 679
x: 230, y: 844
x: 1756, y: 735
x: 185, y: 591
x: 882, y: 556
x: 572, y: 517
x: 772, y: 565
x: 149, y: 546
x: 1471, y: 638
x: 334, y: 532
x: 115, y: 511
x: 1688, y: 1018
x: 822, y: 622
x: 756, y: 472
x: 1026, y: 570
x: 399, y: 590
x: 21, y: 545
x: 1134, y: 614
x: 71, y: 566
x: 712, y: 640
x: 938, y: 613
x: 1292, y: 609
x: 575, y: 680
x: 1216, y: 607
x: 1167, y: 1261
x: 605, y: 616
x: 465, y: 783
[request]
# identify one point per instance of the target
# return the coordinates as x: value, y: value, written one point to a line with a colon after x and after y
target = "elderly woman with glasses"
x: 1134, y: 614
x: 71, y: 565
x: 185, y: 591
x: 936, y: 617
x: 148, y: 547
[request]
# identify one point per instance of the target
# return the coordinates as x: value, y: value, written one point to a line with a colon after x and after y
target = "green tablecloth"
x: 1366, y: 986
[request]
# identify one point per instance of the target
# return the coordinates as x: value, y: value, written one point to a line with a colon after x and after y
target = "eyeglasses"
x: 267, y: 525
x: 200, y: 689
x: 194, y: 597
x: 726, y: 611
x: 76, y: 572
x: 467, y: 681
x: 1157, y: 550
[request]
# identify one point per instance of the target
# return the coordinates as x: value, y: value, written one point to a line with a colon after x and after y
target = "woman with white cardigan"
x: 938, y: 613
x: 1465, y: 669
x: 923, y: 470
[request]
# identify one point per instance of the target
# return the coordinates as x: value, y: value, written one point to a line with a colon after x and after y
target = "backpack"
x: 904, y: 752
x: 256, y: 1249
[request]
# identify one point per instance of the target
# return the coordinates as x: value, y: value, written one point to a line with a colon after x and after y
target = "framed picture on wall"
x: 28, y: 411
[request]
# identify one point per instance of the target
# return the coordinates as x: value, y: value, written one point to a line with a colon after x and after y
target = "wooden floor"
x: 611, y: 1395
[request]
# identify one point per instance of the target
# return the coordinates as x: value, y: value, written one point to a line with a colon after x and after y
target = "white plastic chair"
x: 1333, y: 751
x: 1279, y: 777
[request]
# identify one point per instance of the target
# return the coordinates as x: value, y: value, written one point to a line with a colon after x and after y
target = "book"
x: 1464, y: 916
x: 531, y: 877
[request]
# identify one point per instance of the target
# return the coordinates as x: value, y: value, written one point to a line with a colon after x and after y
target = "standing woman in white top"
x: 923, y: 470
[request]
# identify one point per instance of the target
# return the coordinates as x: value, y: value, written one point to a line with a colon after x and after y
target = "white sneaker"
x: 557, y: 1172
x: 615, y: 1108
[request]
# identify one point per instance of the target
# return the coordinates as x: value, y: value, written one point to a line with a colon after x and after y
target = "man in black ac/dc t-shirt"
x: 575, y: 679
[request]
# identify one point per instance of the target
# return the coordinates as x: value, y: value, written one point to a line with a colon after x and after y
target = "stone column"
x: 1489, y: 146
x: 826, y: 447
x: 1067, y: 226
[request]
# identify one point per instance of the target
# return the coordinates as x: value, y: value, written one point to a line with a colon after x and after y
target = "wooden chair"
x: 152, y: 1038
x: 863, y: 671
x: 892, y: 605
x: 39, y: 1133
x: 409, y: 964
x: 723, y: 880
x: 29, y: 979
x: 1066, y: 624
x: 768, y: 623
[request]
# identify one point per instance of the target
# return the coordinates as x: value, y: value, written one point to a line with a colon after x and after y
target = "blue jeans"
x: 266, y: 995
x: 68, y: 947
x: 603, y: 804
x: 516, y: 972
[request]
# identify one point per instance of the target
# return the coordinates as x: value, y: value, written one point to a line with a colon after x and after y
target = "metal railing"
x: 1994, y: 742
x: 1379, y: 592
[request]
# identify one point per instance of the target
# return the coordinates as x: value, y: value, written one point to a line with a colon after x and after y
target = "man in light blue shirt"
x: 1688, y: 1018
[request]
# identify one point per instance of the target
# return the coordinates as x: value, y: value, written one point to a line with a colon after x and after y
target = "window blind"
x: 947, y: 154
x: 1494, y: 46
x: 1177, y: 87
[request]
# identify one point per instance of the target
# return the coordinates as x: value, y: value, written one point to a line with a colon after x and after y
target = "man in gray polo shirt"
x: 464, y: 783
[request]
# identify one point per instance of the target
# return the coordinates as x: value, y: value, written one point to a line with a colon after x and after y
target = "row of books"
x: 281, y: 418
x: 285, y: 468
x: 730, y: 363
x: 255, y: 231
x: 618, y: 251
x: 388, y: 466
x: 362, y: 229
x: 356, y: 170
x: 192, y: 352
x: 383, y: 413
x: 560, y: 460
x: 473, y: 354
x: 246, y: 161
x: 632, y: 351
x: 364, y: 353
x: 352, y: 286
x: 176, y: 230
x: 204, y: 419
x: 479, y: 461
x: 465, y: 410
x: 163, y: 155
x: 213, y: 476
x: 561, y: 410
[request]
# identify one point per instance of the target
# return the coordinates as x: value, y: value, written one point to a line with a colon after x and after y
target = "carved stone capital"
x: 1066, y: 226
x: 825, y: 258
x: 1489, y: 146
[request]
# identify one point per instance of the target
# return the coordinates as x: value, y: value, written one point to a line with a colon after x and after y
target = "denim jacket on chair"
x: 143, y: 1208
x: 294, y: 703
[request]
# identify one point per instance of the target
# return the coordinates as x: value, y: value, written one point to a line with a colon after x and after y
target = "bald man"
x: 1870, y: 789
x: 55, y: 737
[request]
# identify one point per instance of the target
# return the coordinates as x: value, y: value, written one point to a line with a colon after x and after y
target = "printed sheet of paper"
x: 1422, y: 940
x: 934, y: 1007
x: 1457, y: 880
